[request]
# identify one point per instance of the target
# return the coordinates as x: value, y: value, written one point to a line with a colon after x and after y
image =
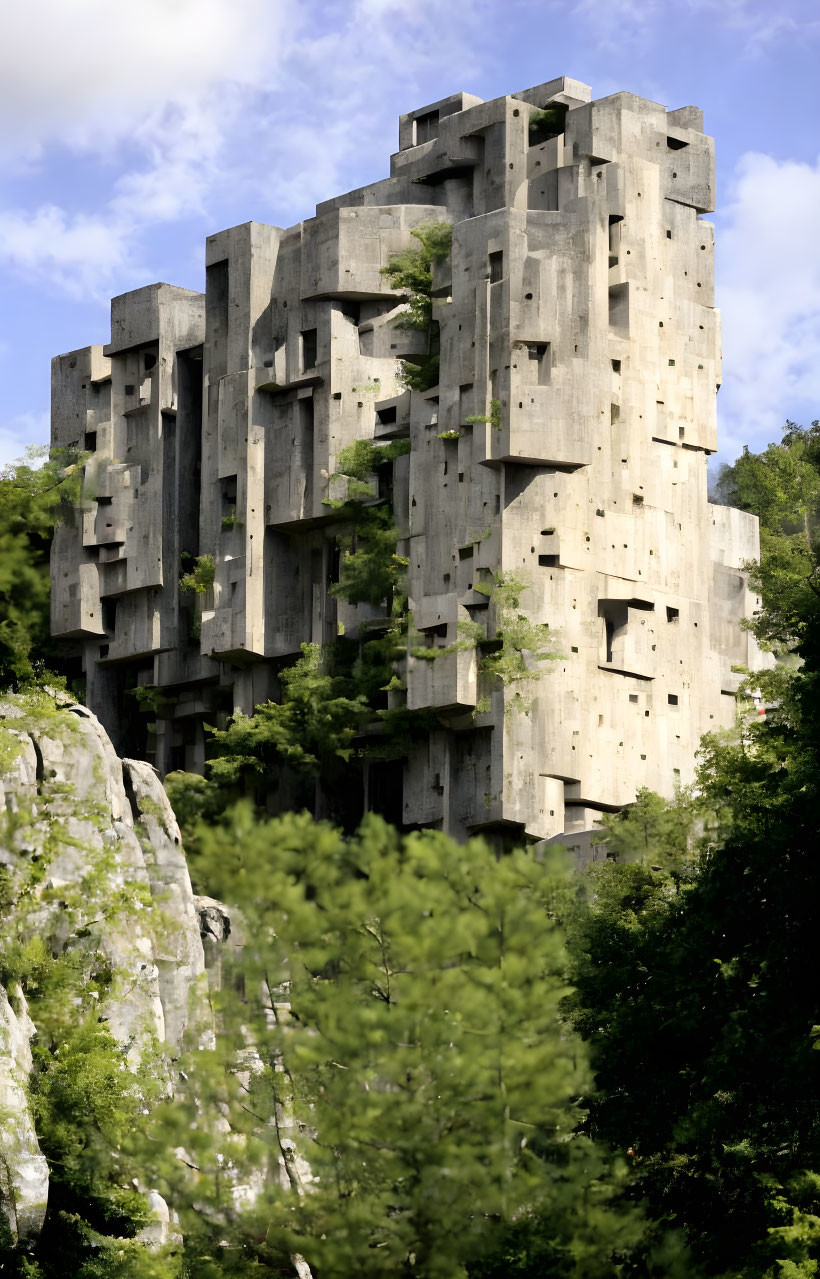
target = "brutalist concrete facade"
x: 578, y: 294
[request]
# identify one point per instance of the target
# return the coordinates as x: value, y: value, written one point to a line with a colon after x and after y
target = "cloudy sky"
x: 130, y: 131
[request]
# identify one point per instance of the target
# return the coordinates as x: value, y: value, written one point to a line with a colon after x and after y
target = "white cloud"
x: 769, y: 292
x: 277, y: 126
x: 81, y: 255
x: 85, y: 72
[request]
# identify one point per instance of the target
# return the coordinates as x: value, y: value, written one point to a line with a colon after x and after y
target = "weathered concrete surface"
x: 92, y: 864
x: 578, y: 296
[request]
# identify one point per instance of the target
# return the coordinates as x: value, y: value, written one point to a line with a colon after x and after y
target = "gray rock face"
x: 23, y: 1169
x: 92, y: 862
x: 178, y: 951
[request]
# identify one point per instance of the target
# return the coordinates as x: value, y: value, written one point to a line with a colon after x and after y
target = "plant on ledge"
x: 411, y: 272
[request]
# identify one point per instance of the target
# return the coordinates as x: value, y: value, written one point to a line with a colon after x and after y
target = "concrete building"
x: 578, y: 295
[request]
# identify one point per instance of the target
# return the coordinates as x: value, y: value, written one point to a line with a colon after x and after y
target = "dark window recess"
x: 309, y: 349
x: 351, y: 311
x: 386, y: 416
x: 675, y: 144
x: 609, y: 629
x: 672, y: 699
x: 148, y: 360
x: 548, y: 561
x: 633, y: 697
x: 465, y: 552
x: 669, y: 235
x: 129, y: 388
x: 496, y: 265
x: 619, y: 307
x: 426, y: 127
x: 539, y: 352
x: 672, y: 614
x: 637, y: 499
x: 90, y: 441
x: 103, y: 650
x: 228, y: 487
x: 616, y: 366
x: 109, y: 615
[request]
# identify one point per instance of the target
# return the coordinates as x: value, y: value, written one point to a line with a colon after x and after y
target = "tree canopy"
x: 35, y: 495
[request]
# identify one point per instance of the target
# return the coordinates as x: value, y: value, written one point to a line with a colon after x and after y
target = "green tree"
x: 781, y: 486
x: 312, y: 730
x: 406, y: 1085
x: 34, y: 496
x: 411, y: 273
x: 695, y: 955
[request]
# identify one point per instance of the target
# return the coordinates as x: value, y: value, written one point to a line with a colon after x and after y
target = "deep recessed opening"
x: 309, y: 349
x: 496, y: 266
x: 426, y: 127
x: 672, y: 699
x: 672, y: 614
x: 539, y: 354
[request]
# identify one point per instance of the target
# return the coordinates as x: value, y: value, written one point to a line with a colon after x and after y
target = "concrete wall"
x: 579, y: 294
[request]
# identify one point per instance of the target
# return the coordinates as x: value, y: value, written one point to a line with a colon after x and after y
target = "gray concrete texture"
x: 578, y: 293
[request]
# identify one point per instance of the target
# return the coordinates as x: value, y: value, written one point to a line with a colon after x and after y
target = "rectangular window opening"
x: 309, y: 349
x: 496, y: 265
x: 540, y: 354
x: 426, y: 127
x: 609, y: 628
x: 672, y: 699
x: 619, y: 308
x: 672, y: 614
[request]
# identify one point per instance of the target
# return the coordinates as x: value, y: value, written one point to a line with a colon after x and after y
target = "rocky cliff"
x: 93, y: 878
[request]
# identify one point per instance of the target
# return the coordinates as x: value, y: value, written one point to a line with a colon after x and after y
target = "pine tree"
x: 408, y: 1099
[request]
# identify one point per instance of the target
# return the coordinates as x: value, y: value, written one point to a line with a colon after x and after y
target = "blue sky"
x: 130, y: 131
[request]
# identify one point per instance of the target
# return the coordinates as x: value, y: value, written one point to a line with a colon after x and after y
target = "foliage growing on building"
x: 200, y: 577
x: 411, y: 273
